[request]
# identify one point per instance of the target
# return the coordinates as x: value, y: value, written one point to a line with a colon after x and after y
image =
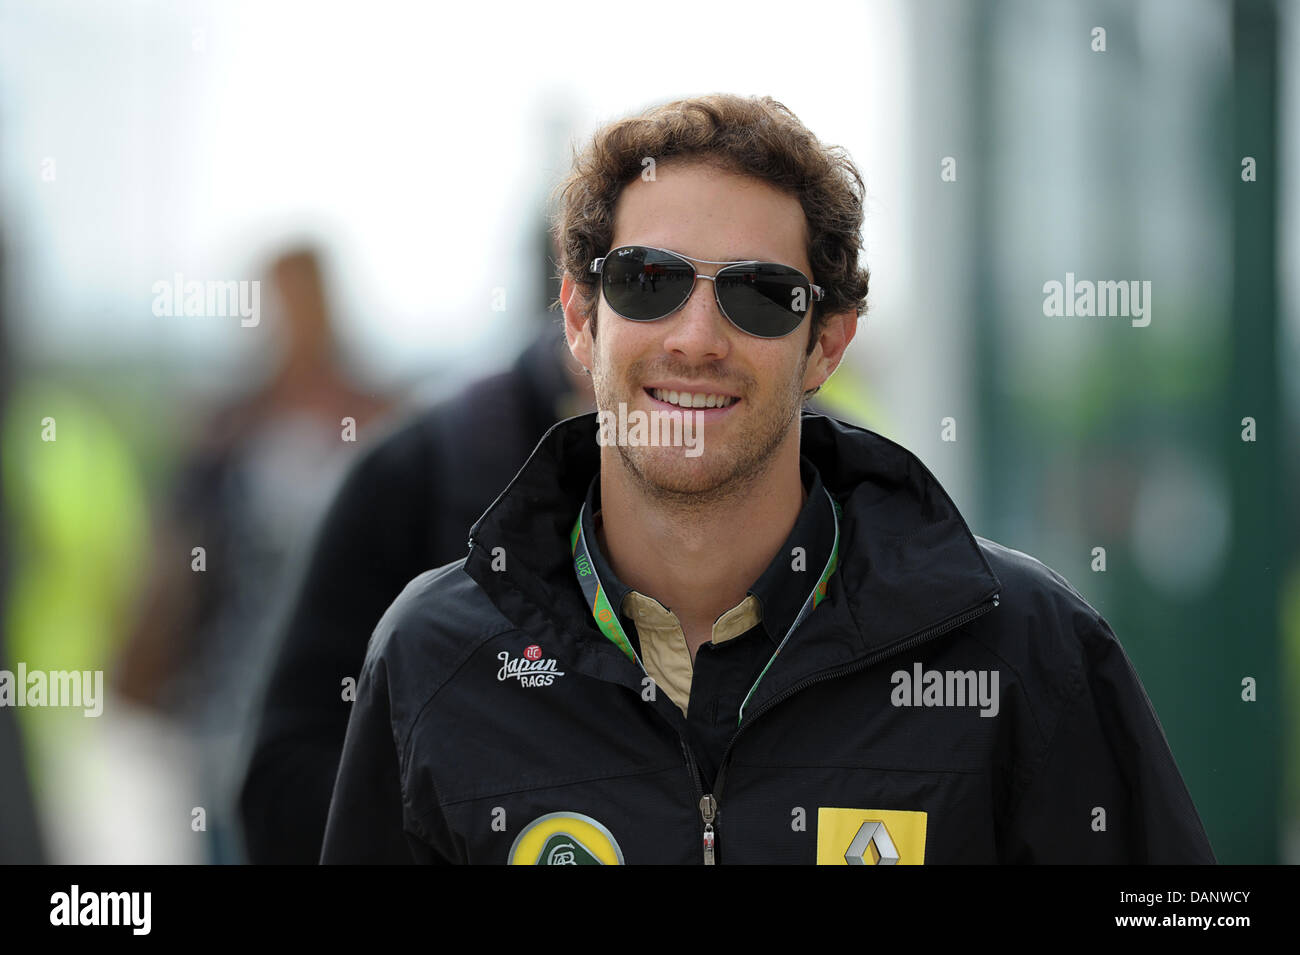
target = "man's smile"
x: 700, y: 398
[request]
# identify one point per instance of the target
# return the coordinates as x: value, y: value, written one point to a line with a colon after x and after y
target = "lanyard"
x: 609, y: 624
x: 605, y: 616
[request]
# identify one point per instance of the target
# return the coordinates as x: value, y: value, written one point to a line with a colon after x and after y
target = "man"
x: 786, y: 648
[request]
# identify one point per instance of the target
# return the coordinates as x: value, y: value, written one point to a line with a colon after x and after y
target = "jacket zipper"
x: 708, y: 810
x: 703, y: 801
x: 709, y: 802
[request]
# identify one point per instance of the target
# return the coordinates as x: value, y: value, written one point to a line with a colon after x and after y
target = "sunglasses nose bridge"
x: 717, y: 299
x: 701, y: 332
x: 717, y: 302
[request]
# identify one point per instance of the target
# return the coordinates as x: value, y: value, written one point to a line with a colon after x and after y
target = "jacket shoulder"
x: 1043, y: 628
x: 1024, y: 576
x: 433, y: 626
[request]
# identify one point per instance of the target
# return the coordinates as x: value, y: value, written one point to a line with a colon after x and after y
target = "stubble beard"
x: 730, y: 474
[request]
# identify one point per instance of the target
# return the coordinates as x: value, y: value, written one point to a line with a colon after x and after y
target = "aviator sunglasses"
x: 764, y: 299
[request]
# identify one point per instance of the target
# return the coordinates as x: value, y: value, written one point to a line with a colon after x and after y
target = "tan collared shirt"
x: 663, y: 642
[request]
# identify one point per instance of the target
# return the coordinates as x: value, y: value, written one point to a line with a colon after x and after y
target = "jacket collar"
x: 908, y: 562
x: 780, y: 590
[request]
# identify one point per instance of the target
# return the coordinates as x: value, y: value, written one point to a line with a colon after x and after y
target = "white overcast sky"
x: 411, y: 139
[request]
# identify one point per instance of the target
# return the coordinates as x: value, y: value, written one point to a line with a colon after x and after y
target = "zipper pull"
x: 708, y: 811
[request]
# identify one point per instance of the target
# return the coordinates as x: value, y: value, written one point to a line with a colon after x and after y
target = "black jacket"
x: 451, y: 757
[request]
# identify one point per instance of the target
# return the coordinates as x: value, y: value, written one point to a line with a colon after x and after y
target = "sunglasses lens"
x: 645, y: 284
x: 766, y: 300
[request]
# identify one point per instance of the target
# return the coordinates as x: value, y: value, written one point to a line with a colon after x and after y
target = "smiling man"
x: 786, y: 648
x: 695, y: 532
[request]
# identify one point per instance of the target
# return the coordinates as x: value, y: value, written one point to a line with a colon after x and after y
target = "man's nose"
x: 698, y: 329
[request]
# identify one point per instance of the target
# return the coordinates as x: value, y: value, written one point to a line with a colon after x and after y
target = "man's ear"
x: 828, y: 350
x: 576, y: 324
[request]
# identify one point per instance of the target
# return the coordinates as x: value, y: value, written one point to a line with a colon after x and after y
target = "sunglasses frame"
x: 597, y: 266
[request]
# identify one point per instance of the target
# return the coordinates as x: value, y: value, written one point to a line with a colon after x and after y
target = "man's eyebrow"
x: 733, y: 256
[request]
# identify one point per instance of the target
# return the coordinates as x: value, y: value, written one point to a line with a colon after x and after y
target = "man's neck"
x: 697, y: 562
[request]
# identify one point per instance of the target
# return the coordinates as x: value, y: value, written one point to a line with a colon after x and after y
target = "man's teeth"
x: 687, y: 399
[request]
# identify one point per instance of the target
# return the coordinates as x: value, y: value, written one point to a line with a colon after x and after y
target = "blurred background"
x: 382, y: 174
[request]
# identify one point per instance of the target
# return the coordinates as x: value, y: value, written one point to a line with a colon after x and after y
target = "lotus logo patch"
x: 530, y: 669
x: 565, y: 838
x: 870, y: 837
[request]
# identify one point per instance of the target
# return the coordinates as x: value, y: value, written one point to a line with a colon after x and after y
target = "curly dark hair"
x: 754, y: 136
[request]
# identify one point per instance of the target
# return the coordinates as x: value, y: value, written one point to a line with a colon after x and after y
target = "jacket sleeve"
x: 367, y: 816
x: 1106, y: 788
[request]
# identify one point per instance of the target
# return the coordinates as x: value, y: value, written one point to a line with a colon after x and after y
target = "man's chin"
x: 670, y: 473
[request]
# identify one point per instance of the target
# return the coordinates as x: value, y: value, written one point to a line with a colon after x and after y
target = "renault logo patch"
x: 565, y: 838
x: 870, y: 837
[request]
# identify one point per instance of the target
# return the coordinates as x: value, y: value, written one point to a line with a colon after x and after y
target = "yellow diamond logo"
x: 870, y: 837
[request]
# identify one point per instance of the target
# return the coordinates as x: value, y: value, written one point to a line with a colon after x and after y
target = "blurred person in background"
x: 248, y: 493
x: 406, y: 506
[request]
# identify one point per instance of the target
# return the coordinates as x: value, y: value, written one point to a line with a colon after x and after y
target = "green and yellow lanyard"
x: 607, y: 619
